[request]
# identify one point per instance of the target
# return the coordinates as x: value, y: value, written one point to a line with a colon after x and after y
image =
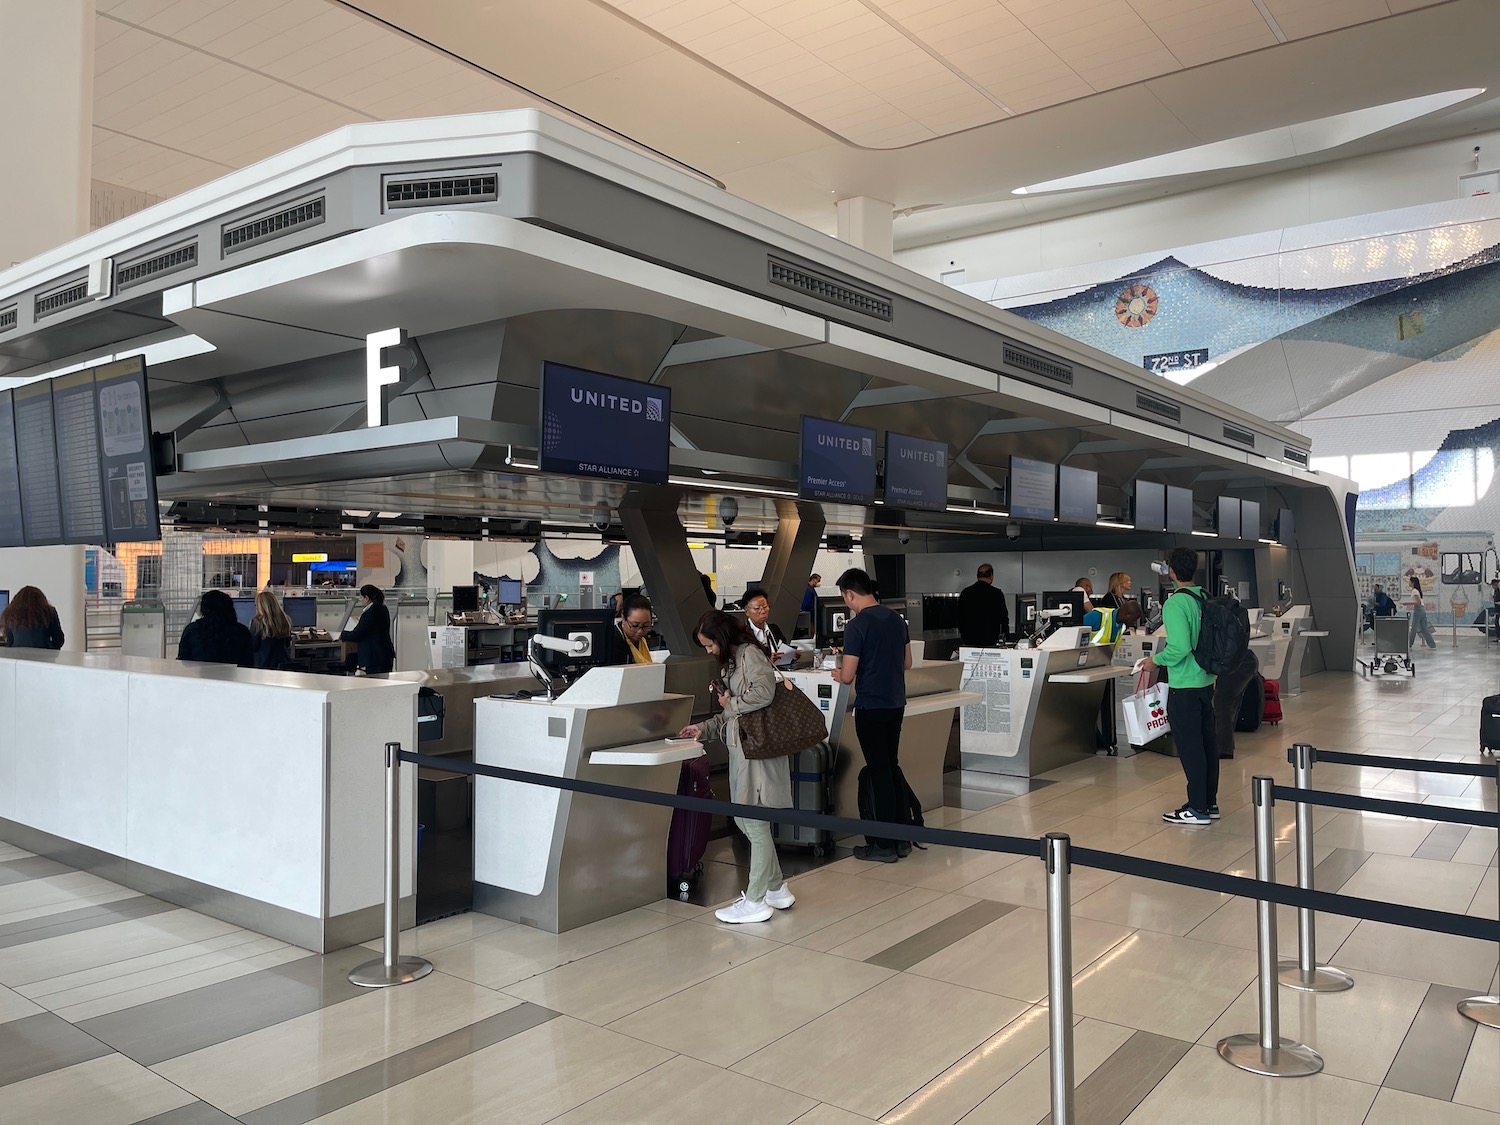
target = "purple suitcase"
x: 687, y: 839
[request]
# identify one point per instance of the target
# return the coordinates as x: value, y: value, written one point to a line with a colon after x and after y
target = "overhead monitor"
x: 1179, y: 510
x: 837, y: 462
x: 75, y: 416
x: 1071, y: 600
x: 596, y: 425
x: 1150, y: 506
x: 508, y: 591
x: 301, y: 612
x: 916, y: 473
x: 1227, y: 521
x: 36, y: 456
x: 12, y: 530
x: 125, y: 460
x: 1077, y: 495
x: 244, y: 610
x: 465, y: 599
x: 1031, y: 489
x: 1286, y: 527
x: 1250, y: 520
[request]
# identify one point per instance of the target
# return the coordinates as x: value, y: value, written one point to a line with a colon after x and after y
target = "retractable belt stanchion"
x: 1305, y: 974
x: 1484, y: 1009
x: 1060, y: 974
x: 1266, y: 1052
x: 392, y: 968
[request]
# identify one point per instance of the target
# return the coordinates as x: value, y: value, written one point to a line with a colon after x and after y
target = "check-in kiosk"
x: 557, y: 860
x: 1038, y: 706
x: 143, y: 629
x: 1283, y: 645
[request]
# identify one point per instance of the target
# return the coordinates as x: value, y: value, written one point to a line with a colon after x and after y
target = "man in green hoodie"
x: 1190, y: 699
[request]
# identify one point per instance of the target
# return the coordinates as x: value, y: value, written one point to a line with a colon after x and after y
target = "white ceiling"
x: 938, y: 104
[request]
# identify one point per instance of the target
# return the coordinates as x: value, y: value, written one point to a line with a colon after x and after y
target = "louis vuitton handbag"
x: 791, y: 722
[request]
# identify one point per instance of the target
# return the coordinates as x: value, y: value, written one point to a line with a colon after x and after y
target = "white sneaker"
x: 744, y: 911
x: 781, y: 897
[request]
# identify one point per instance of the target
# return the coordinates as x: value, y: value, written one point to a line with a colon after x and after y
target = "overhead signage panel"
x: 596, y: 425
x: 76, y: 418
x: 916, y: 473
x: 1031, y: 489
x: 838, y: 462
x: 125, y: 464
x: 12, y: 529
x: 36, y: 458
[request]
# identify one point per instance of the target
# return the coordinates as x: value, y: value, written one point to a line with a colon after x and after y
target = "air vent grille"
x: 8, y: 318
x: 833, y: 290
x: 1239, y: 436
x: 74, y: 293
x: 451, y: 189
x: 1295, y: 456
x: 168, y: 261
x: 1034, y: 364
x: 305, y: 214
x: 1158, y: 406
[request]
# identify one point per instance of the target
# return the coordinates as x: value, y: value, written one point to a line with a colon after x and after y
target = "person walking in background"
x: 375, y: 652
x: 877, y: 653
x: 271, y: 632
x: 746, y: 682
x: 983, y: 620
x: 1419, y: 626
x: 216, y: 637
x: 1383, y: 605
x: 810, y: 595
x: 1190, y: 702
x: 31, y: 622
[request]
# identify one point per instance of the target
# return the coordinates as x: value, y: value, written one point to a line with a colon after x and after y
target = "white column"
x: 47, y: 85
x: 866, y: 222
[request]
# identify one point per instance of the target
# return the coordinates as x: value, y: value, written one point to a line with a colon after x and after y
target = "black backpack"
x: 1223, y: 633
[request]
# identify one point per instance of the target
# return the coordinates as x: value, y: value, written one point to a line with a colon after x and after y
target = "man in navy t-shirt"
x: 877, y: 653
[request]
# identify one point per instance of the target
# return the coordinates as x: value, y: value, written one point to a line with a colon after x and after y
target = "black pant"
x: 1191, y: 711
x: 1229, y: 693
x: 879, y: 732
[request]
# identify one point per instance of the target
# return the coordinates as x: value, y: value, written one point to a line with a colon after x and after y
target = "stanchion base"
x: 1325, y: 978
x: 374, y: 974
x: 1290, y: 1060
x: 1481, y: 1009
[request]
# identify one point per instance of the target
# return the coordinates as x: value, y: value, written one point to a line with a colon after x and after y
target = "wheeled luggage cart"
x: 1392, y: 651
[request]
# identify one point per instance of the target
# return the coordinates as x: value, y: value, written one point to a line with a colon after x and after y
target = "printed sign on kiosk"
x: 596, y: 425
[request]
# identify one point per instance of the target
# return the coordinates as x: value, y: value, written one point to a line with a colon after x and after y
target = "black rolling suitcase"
x: 812, y: 786
x: 1489, y: 725
x: 1252, y: 706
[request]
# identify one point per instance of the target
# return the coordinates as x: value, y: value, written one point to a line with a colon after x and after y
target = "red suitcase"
x: 1273, y: 703
x: 687, y: 839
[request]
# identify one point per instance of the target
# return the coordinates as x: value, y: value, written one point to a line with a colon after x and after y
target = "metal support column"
x: 1060, y: 974
x: 1266, y: 1052
x: 660, y: 543
x: 799, y: 532
x: 1305, y: 974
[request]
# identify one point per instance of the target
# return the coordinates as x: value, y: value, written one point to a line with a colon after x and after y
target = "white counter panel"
x: 67, y: 780
x: 511, y: 849
x: 226, y: 787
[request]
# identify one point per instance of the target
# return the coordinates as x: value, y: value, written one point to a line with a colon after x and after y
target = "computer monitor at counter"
x: 301, y: 612
x: 562, y: 623
x: 244, y: 610
x: 508, y: 591
x: 1071, y: 600
x: 465, y: 599
x: 1025, y: 622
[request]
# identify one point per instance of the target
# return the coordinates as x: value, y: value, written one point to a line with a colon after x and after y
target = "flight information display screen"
x: 75, y: 416
x: 1077, y: 495
x: 1031, y: 489
x: 1150, y: 506
x: 1179, y: 509
x: 124, y: 452
x: 12, y: 530
x: 36, y: 457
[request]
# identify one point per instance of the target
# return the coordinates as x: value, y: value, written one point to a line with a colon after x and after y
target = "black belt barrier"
x: 1475, y: 818
x: 1421, y: 765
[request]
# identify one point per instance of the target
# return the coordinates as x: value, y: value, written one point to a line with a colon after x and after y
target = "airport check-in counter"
x: 1281, y: 647
x: 253, y: 796
x: 932, y: 695
x: 1038, y: 707
x: 558, y: 860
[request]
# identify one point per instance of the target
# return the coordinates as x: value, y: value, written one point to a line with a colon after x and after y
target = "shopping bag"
x: 1146, y: 711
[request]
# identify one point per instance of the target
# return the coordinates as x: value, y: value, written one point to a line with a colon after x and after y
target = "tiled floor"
x: 906, y: 994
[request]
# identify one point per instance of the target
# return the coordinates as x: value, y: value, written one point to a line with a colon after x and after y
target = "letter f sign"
x: 378, y: 376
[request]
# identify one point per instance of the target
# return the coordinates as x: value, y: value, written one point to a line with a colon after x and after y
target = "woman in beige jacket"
x: 745, y: 683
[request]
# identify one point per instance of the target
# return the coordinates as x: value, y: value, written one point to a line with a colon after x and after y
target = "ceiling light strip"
x: 1265, y: 14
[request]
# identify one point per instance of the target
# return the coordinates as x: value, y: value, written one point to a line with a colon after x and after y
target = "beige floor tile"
x: 1430, y: 883
x: 1009, y: 956
x: 848, y: 1057
x: 110, y: 1090
x: 736, y: 1013
x: 824, y: 897
x: 1212, y: 848
x: 626, y: 978
x: 826, y: 1114
x: 14, y: 1006
x: 1027, y: 1097
x: 883, y: 935
x: 276, y: 1062
x: 1486, y: 901
x: 34, y: 897
x: 1234, y: 924
x: 1416, y: 954
x: 937, y: 868
x: 1478, y: 848
x: 107, y: 945
x: 1100, y: 830
x: 1203, y: 1087
x: 1394, y: 1107
x: 1169, y: 985
x: 1014, y: 819
x: 677, y: 908
x: 1025, y: 883
x: 685, y: 1089
x: 1146, y: 904
x: 527, y: 1079
x: 1479, y: 1084
x: 1358, y: 1032
x: 511, y: 953
x: 105, y: 1002
x: 1371, y: 832
x: 427, y: 939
